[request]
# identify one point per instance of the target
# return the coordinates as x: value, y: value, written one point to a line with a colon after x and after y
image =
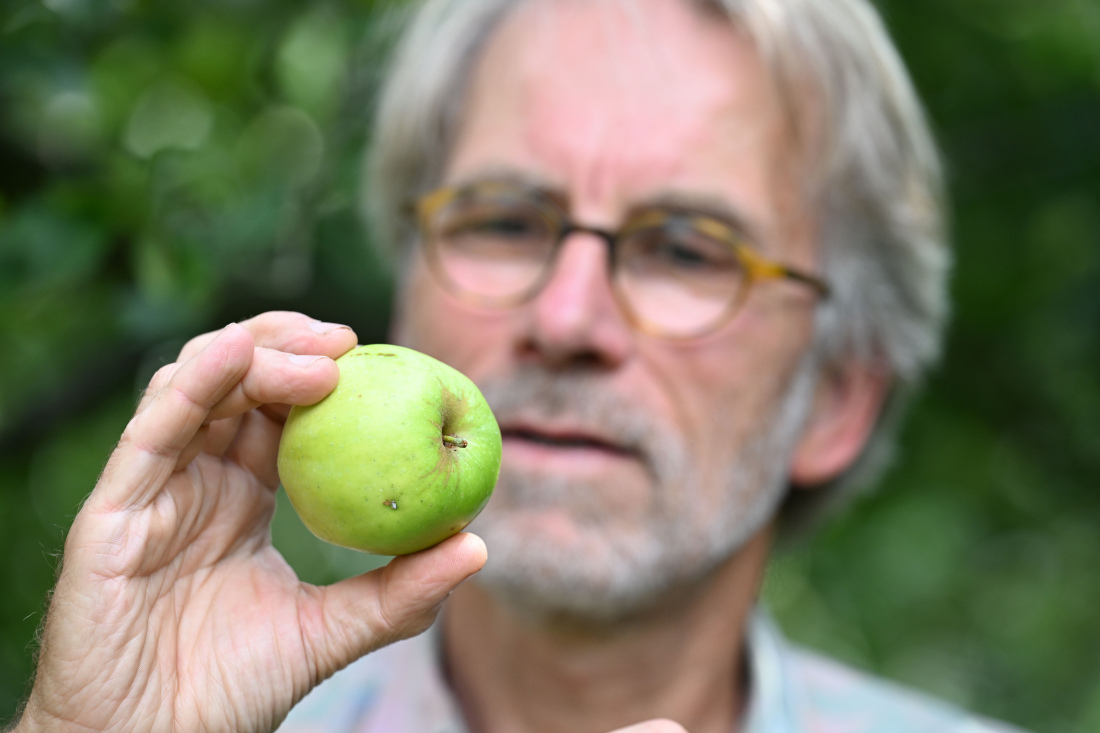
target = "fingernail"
x: 303, y: 360
x: 323, y: 328
x: 220, y: 335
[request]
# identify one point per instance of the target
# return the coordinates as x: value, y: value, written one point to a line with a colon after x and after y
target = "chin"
x: 555, y: 558
x: 547, y: 566
x: 587, y: 574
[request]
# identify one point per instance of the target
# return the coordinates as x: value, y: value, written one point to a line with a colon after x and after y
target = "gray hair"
x: 874, y: 178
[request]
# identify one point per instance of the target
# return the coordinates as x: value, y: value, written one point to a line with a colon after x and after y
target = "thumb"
x: 365, y: 613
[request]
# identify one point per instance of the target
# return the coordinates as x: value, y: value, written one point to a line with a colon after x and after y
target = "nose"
x: 575, y: 320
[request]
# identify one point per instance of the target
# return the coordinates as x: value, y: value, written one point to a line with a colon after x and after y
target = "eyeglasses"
x: 674, y: 273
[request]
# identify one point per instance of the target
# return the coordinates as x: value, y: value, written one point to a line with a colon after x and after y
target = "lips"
x: 564, y: 438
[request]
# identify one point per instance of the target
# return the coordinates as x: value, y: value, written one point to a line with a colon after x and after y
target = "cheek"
x: 701, y: 401
x: 431, y: 320
x: 724, y: 390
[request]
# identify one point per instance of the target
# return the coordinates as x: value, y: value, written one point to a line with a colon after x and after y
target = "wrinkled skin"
x: 172, y: 611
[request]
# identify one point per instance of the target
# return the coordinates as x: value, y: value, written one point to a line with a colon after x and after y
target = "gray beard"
x: 618, y: 569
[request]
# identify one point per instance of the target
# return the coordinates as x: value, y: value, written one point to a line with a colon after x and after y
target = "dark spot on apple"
x: 454, y: 406
x: 452, y: 410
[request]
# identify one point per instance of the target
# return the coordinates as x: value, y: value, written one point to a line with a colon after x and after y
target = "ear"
x: 846, y: 408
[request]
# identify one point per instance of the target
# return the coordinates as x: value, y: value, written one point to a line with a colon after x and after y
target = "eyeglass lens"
x: 496, y: 247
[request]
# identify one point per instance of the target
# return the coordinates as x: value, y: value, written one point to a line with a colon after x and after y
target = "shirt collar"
x: 771, y: 707
x: 418, y: 697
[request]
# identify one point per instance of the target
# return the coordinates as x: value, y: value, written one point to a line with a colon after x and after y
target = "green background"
x: 167, y: 167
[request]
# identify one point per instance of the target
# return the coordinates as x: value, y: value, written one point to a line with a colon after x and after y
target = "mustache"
x: 588, y: 400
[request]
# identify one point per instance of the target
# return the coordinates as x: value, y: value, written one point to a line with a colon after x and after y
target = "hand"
x: 172, y: 611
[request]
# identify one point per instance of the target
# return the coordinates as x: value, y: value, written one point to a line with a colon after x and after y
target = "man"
x: 689, y: 251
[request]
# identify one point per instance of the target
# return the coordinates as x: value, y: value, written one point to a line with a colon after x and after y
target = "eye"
x: 680, y: 249
x: 495, y: 221
x: 681, y: 254
x: 504, y: 225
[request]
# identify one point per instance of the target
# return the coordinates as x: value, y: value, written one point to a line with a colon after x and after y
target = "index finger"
x: 295, y: 333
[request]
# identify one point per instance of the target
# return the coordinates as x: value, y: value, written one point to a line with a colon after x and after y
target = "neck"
x: 682, y: 661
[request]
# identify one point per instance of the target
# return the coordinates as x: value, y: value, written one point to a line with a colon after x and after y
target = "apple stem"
x: 456, y: 442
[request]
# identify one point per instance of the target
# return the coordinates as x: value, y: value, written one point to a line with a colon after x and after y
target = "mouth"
x: 564, y: 439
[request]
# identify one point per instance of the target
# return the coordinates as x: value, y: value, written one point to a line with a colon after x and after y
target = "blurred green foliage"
x: 168, y: 167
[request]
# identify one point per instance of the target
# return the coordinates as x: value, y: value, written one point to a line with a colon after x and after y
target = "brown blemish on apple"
x: 446, y: 466
x: 453, y: 405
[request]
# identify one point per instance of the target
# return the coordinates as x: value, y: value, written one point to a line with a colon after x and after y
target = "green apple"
x: 400, y: 456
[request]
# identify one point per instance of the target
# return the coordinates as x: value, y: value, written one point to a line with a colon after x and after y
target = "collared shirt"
x: 401, y: 689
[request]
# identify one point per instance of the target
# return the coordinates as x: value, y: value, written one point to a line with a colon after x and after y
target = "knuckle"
x: 393, y: 619
x: 184, y: 402
x: 132, y: 429
x: 196, y: 344
x: 387, y: 624
x: 165, y: 427
x: 275, y: 318
x: 294, y: 383
x: 161, y: 377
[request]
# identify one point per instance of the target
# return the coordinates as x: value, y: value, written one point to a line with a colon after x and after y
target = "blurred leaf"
x: 311, y: 62
x: 172, y: 113
x: 283, y: 145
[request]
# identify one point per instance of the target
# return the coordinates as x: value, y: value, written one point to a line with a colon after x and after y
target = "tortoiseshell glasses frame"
x: 675, y: 273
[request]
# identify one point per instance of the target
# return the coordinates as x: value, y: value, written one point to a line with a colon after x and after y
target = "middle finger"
x: 278, y: 377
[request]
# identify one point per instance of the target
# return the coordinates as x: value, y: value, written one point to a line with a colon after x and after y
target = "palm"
x: 219, y: 604
x: 173, y: 610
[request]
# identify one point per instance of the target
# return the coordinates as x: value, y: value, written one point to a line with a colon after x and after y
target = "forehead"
x: 613, y: 101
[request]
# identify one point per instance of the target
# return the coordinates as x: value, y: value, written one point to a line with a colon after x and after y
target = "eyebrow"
x: 713, y: 207
x: 504, y: 174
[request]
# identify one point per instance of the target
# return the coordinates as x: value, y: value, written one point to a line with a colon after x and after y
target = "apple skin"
x: 367, y: 467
